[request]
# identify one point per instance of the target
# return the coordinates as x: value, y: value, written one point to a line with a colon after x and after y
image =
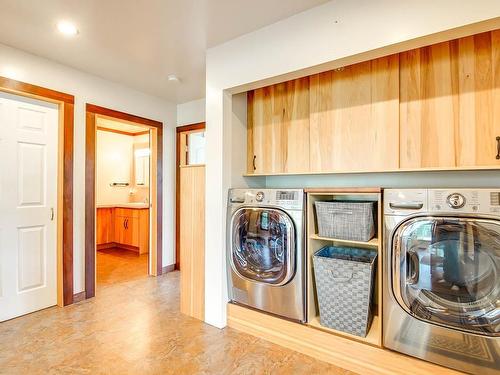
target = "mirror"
x: 141, y: 166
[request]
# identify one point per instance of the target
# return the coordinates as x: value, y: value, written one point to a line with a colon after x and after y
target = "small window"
x: 192, y: 147
x: 196, y: 148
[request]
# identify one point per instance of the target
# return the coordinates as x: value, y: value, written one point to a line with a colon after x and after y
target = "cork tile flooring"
x: 135, y: 327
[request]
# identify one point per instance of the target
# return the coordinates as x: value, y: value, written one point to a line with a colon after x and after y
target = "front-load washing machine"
x: 441, y: 299
x: 265, y: 251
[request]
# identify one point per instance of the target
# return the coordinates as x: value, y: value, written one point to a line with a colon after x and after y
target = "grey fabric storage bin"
x: 346, y: 220
x: 344, y: 285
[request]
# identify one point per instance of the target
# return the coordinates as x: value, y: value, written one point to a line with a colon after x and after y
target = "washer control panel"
x: 445, y: 201
x: 484, y: 201
x: 285, y: 198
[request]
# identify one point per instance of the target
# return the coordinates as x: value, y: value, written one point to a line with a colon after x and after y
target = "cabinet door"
x: 127, y: 230
x: 479, y: 99
x: 355, y: 117
x: 105, y: 228
x: 120, y: 224
x: 450, y: 103
x: 278, y: 128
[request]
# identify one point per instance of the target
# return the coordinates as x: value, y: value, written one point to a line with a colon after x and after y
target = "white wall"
x: 191, y: 112
x: 304, y: 44
x: 114, y: 160
x: 87, y: 88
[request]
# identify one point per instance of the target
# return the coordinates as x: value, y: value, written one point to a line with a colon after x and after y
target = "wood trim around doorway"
x: 180, y: 129
x: 90, y: 178
x: 66, y: 104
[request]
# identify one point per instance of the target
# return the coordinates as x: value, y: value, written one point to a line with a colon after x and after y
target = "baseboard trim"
x: 78, y: 297
x: 169, y: 268
x: 111, y: 245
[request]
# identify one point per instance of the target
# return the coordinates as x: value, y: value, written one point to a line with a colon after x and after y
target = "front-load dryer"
x: 265, y: 251
x: 441, y: 298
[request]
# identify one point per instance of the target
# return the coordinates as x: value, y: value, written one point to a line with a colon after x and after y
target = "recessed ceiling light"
x: 67, y: 28
x: 173, y: 78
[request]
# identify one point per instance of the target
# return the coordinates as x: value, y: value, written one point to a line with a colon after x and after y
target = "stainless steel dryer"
x: 441, y: 276
x: 266, y: 260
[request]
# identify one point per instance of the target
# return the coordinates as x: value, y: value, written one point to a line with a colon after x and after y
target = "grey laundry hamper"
x: 344, y: 283
x: 346, y: 220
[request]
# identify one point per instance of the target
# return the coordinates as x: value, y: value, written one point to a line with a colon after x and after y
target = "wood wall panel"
x: 354, y: 117
x: 192, y: 241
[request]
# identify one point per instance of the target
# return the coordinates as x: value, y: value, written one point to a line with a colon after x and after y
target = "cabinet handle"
x: 253, y: 162
x: 126, y: 223
x: 498, y: 148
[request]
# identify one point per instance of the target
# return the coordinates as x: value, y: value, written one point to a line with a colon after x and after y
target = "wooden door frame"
x: 90, y: 178
x: 180, y: 129
x: 65, y: 103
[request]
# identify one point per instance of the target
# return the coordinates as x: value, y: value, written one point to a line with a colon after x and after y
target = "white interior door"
x: 28, y: 205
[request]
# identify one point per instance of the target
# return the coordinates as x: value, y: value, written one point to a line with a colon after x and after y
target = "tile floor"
x: 134, y: 327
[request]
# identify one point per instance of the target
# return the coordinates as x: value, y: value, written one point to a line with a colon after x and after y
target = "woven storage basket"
x: 346, y: 220
x: 344, y: 284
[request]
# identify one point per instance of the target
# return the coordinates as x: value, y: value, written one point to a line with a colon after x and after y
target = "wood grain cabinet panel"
x: 449, y: 110
x: 431, y: 107
x: 278, y: 128
x: 355, y: 117
x: 479, y: 99
x: 123, y: 226
x: 105, y: 227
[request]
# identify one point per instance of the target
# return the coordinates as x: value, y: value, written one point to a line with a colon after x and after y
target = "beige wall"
x: 114, y: 164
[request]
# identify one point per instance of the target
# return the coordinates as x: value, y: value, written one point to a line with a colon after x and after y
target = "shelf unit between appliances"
x: 316, y: 242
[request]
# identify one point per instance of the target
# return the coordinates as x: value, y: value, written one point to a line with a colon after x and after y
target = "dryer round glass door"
x: 446, y: 271
x: 263, y: 245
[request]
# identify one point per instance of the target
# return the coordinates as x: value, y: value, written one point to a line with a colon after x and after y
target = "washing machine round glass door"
x: 263, y: 245
x: 446, y: 271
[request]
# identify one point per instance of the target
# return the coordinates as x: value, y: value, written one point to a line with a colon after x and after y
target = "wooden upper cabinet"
x: 278, y: 128
x: 431, y: 107
x: 450, y: 103
x: 479, y: 99
x: 355, y: 117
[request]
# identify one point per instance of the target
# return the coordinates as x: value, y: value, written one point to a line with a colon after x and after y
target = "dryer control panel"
x: 472, y: 201
x: 292, y: 199
x: 446, y: 201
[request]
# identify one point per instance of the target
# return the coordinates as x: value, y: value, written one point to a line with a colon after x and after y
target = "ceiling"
x: 119, y: 126
x: 139, y: 43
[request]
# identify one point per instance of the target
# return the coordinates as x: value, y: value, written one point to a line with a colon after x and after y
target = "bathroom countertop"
x: 136, y: 205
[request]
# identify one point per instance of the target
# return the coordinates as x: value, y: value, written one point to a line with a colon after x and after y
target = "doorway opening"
x: 123, y: 152
x: 123, y: 198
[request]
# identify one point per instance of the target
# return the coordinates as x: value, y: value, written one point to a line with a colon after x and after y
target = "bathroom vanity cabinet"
x: 123, y: 227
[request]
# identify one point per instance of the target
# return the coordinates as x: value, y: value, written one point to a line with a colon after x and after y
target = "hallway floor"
x: 117, y: 265
x: 135, y: 327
